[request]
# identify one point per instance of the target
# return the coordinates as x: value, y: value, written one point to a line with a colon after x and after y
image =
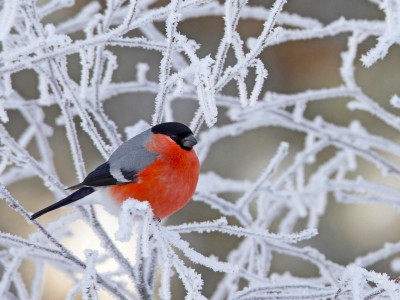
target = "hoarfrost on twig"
x: 291, y: 194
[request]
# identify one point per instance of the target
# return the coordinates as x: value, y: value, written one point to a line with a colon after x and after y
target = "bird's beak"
x: 189, y: 141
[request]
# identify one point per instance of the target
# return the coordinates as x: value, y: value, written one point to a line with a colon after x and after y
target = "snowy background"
x: 296, y: 108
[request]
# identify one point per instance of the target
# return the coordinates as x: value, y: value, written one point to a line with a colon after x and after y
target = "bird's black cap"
x: 179, y: 132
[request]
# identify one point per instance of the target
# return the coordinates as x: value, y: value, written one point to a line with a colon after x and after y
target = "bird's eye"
x: 174, y: 137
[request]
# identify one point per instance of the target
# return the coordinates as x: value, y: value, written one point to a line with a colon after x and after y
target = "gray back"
x: 132, y: 156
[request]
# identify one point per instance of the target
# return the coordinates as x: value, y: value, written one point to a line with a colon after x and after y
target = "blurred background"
x: 346, y: 230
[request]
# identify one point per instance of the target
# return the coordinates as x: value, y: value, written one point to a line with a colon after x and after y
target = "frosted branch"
x: 341, y: 144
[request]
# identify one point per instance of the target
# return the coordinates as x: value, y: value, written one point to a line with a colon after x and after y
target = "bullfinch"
x: 158, y: 165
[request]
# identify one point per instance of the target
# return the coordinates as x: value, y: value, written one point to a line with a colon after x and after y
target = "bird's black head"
x: 178, y: 132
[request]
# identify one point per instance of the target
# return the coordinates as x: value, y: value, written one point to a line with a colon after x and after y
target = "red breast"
x: 168, y: 183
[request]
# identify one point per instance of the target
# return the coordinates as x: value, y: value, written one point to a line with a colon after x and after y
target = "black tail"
x: 79, y: 194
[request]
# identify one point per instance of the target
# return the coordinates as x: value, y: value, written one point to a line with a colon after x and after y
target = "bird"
x: 158, y: 165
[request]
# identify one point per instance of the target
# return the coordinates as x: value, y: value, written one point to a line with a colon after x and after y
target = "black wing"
x: 124, y: 164
x: 101, y: 176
